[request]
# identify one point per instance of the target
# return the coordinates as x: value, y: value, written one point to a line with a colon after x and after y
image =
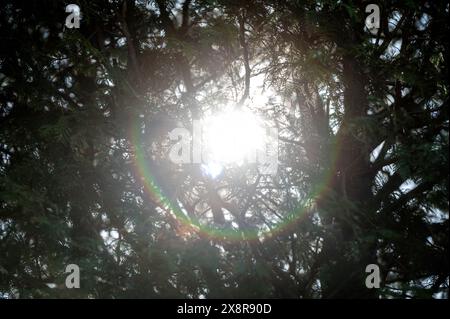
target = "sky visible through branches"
x: 224, y: 149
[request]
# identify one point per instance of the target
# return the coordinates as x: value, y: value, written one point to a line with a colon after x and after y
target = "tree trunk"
x: 347, y: 249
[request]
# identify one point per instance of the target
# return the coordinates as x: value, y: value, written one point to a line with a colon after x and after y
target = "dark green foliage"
x: 78, y: 105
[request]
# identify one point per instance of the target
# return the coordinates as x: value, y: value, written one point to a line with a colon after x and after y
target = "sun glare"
x: 231, y: 137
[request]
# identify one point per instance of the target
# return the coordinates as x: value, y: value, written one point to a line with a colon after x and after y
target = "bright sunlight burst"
x: 231, y: 137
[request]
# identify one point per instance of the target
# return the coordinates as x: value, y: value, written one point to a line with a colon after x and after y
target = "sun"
x: 231, y: 137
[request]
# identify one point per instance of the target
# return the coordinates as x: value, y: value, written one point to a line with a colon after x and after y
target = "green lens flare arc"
x: 154, y: 191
